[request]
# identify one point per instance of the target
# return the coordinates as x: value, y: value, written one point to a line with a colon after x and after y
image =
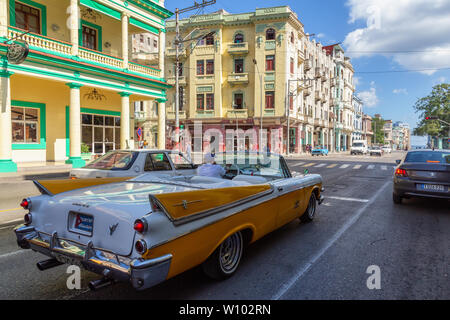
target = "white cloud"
x: 400, y: 91
x: 420, y: 26
x: 320, y: 35
x: 440, y: 80
x: 356, y: 81
x: 369, y: 97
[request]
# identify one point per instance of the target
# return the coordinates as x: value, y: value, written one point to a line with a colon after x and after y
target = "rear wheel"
x: 224, y: 261
x: 310, y: 212
x: 396, y: 198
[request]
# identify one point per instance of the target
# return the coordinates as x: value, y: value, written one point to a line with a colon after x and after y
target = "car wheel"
x: 310, y: 212
x: 396, y: 198
x: 224, y: 261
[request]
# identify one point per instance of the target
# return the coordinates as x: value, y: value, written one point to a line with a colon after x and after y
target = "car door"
x: 158, y: 164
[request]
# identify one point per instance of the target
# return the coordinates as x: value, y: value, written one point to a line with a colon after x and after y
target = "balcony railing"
x: 238, y: 78
x: 171, y: 53
x: 237, y: 114
x: 317, y: 95
x: 170, y: 115
x: 238, y: 48
x: 308, y: 64
x: 39, y: 42
x: 181, y: 80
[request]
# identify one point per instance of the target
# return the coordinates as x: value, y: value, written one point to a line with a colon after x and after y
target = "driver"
x: 210, y: 168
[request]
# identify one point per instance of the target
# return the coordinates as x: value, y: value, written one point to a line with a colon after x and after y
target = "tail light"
x: 401, y: 173
x: 26, y: 204
x: 28, y: 218
x: 140, y: 225
x: 141, y: 246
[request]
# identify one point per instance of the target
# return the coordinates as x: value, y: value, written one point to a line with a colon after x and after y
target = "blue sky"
x: 379, y: 35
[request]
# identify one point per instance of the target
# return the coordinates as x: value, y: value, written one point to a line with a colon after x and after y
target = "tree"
x: 437, y: 104
x: 378, y: 133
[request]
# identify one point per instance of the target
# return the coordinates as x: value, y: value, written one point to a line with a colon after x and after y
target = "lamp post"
x: 261, y: 107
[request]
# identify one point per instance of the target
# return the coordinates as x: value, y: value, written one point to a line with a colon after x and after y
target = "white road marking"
x: 358, y: 166
x: 286, y: 286
x: 348, y: 199
x: 370, y: 167
x: 297, y: 164
x: 320, y: 165
x: 344, y: 166
x: 10, y: 254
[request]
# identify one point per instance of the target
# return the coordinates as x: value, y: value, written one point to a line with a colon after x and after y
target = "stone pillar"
x: 6, y: 163
x: 162, y: 47
x: 74, y: 26
x: 125, y: 40
x: 4, y: 14
x: 75, y: 126
x: 161, y: 123
x: 125, y: 121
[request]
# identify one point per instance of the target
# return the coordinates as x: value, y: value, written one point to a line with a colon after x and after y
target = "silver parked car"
x: 130, y: 163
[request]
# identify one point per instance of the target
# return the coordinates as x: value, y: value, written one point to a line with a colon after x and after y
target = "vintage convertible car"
x: 145, y: 230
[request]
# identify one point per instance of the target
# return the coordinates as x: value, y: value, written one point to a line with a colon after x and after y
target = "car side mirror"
x: 398, y: 161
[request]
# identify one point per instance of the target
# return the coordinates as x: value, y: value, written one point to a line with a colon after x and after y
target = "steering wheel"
x: 229, y: 174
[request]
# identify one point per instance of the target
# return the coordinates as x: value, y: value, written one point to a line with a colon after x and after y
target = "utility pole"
x: 178, y: 41
x: 261, y: 109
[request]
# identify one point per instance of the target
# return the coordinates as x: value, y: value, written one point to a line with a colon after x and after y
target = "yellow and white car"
x: 145, y: 230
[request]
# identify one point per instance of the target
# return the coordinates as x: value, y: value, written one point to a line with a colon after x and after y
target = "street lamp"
x: 261, y: 107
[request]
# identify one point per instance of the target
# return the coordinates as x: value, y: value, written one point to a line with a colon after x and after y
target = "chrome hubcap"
x: 311, y: 207
x: 230, y: 253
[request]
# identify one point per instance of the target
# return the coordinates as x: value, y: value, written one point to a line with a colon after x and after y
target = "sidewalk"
x: 37, y: 170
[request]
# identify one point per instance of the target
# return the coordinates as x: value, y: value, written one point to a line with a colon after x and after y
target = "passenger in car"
x: 210, y: 168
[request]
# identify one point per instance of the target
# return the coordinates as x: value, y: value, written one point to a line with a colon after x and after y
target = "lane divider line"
x: 348, y: 199
x: 286, y: 286
x: 7, y: 210
x: 10, y: 254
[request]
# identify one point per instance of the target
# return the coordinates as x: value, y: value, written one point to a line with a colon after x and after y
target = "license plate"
x: 432, y: 187
x: 67, y: 260
x: 84, y: 223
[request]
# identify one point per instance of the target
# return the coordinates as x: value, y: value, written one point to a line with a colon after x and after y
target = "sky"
x: 399, y: 49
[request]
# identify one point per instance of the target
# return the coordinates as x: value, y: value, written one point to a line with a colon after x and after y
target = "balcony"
x: 308, y: 64
x: 142, y: 116
x: 237, y: 114
x: 301, y: 57
x: 62, y: 48
x: 238, y: 48
x: 170, y: 115
x: 238, y: 78
x: 318, y: 73
x: 333, y: 82
x: 317, y: 95
x: 181, y: 81
x: 171, y: 53
x: 307, y: 91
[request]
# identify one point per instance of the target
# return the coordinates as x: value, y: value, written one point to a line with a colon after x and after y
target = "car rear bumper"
x: 407, y: 188
x: 142, y: 274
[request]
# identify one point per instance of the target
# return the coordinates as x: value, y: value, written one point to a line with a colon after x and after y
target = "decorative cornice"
x: 125, y: 94
x: 74, y: 85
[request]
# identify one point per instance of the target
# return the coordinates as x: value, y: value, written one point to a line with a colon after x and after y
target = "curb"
x: 11, y: 223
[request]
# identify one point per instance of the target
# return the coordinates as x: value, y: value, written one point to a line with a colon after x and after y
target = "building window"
x: 238, y: 65
x: 209, y: 40
x: 291, y: 102
x: 200, y: 67
x: 180, y: 98
x: 238, y: 101
x: 270, y: 63
x: 25, y: 124
x: 210, y: 101
x: 200, y: 102
x: 155, y: 43
x: 292, y: 37
x: 28, y: 18
x: 270, y: 34
x: 180, y: 69
x: 209, y: 66
x: 270, y: 99
x: 292, y: 66
x: 239, y: 38
x: 90, y: 38
x: 100, y: 133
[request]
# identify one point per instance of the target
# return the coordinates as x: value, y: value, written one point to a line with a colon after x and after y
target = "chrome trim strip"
x: 143, y: 264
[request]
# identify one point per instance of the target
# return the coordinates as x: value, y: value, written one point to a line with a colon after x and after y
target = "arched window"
x: 239, y: 38
x: 270, y: 34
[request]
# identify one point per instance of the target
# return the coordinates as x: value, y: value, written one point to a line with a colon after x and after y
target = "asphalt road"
x: 357, y: 226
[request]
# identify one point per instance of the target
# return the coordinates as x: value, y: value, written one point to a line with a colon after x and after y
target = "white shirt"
x: 211, y: 170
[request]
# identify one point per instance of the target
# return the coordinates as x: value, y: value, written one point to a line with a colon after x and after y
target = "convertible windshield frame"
x: 96, y: 163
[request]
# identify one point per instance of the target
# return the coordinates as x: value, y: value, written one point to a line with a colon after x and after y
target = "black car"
x: 422, y: 173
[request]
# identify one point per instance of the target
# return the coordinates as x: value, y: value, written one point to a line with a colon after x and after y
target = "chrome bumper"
x: 142, y: 274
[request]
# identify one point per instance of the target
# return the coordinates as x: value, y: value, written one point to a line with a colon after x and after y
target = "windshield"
x: 428, y: 157
x: 114, y: 160
x: 359, y: 144
x: 253, y: 164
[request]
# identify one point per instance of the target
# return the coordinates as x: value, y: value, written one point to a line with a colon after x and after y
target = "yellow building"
x: 75, y: 90
x: 259, y: 65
